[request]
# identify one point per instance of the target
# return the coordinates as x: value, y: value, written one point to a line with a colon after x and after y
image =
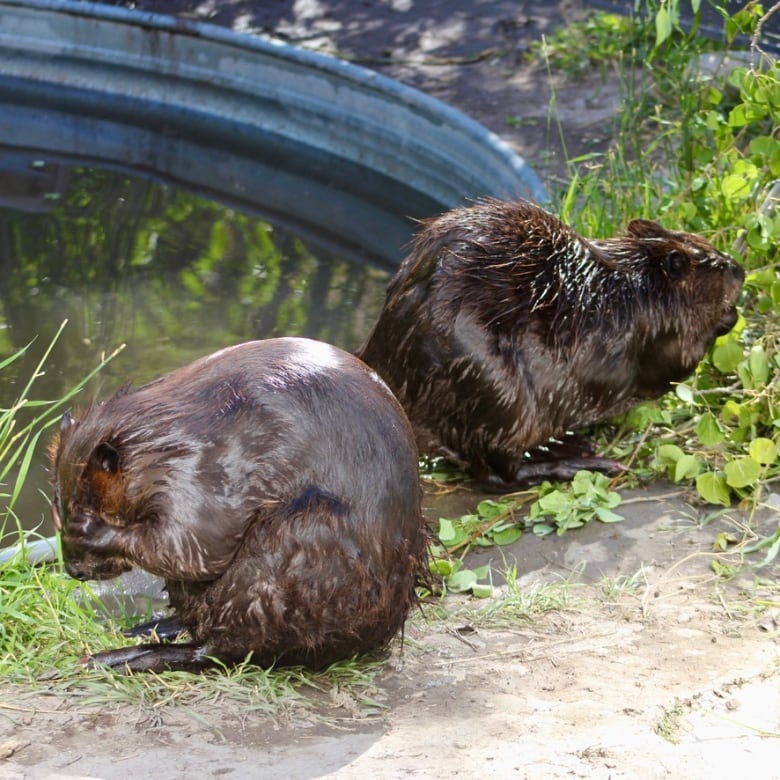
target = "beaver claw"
x: 162, y: 628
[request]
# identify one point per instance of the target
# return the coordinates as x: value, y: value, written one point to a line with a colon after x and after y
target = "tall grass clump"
x: 40, y: 617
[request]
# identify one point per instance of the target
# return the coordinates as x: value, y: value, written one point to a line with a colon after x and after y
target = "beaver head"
x: 88, y: 495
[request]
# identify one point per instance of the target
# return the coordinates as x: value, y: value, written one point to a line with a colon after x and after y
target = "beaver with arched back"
x: 504, y: 330
x: 274, y: 485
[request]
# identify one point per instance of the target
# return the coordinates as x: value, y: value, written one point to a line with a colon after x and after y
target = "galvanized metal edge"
x: 201, y: 70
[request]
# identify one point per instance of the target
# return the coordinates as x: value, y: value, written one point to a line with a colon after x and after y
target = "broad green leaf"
x: 708, y: 430
x: 759, y: 365
x: 670, y: 453
x: 764, y: 146
x: 607, y: 516
x: 481, y: 590
x: 447, y: 534
x: 746, y: 113
x: 742, y: 471
x: 462, y: 581
x: 712, y: 487
x: 568, y: 521
x: 684, y: 393
x: 763, y: 450
x: 489, y: 508
x: 735, y: 185
x: 687, y: 467
x: 507, y: 536
x: 726, y: 357
x: 554, y: 503
x: 443, y: 567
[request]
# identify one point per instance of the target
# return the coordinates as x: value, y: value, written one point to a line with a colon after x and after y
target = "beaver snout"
x: 734, y: 277
x: 727, y: 323
x: 97, y: 570
x: 87, y: 566
x: 76, y: 571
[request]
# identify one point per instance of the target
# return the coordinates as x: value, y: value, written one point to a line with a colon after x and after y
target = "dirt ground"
x: 652, y: 669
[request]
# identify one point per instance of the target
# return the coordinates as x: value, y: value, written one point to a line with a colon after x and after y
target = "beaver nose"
x: 728, y: 321
x: 75, y: 571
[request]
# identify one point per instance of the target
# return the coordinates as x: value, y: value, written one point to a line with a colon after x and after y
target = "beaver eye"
x: 676, y: 265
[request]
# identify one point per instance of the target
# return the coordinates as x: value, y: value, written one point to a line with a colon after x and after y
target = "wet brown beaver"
x: 274, y: 485
x: 504, y: 330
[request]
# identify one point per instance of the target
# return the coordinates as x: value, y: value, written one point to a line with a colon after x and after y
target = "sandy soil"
x: 650, y: 668
x: 675, y: 674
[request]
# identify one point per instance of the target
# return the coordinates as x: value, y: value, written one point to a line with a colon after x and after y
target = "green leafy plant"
x: 601, y: 40
x: 498, y: 522
x: 698, y: 148
x: 560, y: 509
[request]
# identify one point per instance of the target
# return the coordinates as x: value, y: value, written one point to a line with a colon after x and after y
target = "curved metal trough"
x: 252, y: 119
x: 246, y: 119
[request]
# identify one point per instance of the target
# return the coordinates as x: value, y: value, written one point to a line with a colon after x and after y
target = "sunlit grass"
x: 50, y: 621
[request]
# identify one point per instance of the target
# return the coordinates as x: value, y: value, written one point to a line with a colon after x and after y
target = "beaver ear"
x: 105, y: 457
x: 645, y: 228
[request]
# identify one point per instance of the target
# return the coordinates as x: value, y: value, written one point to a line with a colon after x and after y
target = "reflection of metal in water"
x: 30, y: 188
x: 37, y: 551
x: 135, y: 592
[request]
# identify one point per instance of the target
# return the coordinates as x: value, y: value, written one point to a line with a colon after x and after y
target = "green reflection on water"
x: 172, y: 275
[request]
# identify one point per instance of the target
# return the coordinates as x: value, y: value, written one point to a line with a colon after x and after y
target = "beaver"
x: 274, y: 485
x: 504, y: 330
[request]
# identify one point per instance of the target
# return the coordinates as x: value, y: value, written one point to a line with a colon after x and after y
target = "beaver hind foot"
x: 557, y: 461
x: 162, y: 628
x: 184, y: 657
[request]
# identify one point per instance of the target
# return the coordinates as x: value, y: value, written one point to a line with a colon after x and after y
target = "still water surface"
x: 170, y: 274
